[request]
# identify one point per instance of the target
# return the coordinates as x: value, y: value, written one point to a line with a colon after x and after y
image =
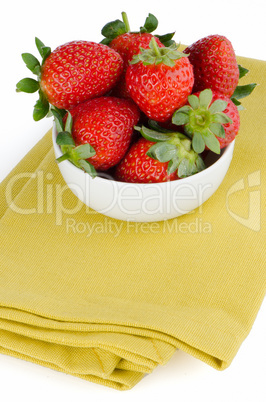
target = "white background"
x: 56, y: 22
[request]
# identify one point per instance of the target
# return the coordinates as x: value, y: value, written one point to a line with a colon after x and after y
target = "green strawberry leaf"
x: 151, y: 23
x: 65, y: 138
x: 193, y: 100
x: 154, y: 125
x: 221, y: 118
x: 60, y: 112
x: 217, y: 129
x: 58, y: 120
x: 185, y: 109
x: 166, y: 60
x: 84, y: 151
x: 152, y: 135
x: 188, y: 166
x: 205, y: 98
x: 114, y: 28
x: 28, y: 85
x: 211, y: 142
x: 162, y: 151
x: 179, y: 117
x: 172, y: 165
x: 200, y: 165
x: 39, y: 45
x: 242, y: 71
x: 218, y: 106
x: 106, y: 41
x: 238, y: 104
x: 41, y: 108
x: 198, y: 143
x: 88, y: 167
x: 43, y: 50
x: 242, y: 91
x: 32, y: 63
x: 183, y: 169
x: 69, y: 122
x: 166, y: 39
x: 235, y: 101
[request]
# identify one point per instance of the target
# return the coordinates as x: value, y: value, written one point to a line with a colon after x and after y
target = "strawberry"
x: 210, y: 119
x: 214, y: 63
x: 106, y: 124
x: 72, y: 73
x: 138, y: 167
x: 161, y: 155
x: 127, y: 43
x: 159, y: 80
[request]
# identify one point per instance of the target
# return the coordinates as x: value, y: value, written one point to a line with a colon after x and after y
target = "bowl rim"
x: 228, y: 150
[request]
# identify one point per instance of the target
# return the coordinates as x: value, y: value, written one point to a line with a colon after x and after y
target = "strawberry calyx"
x: 203, y: 121
x: 117, y: 27
x: 174, y: 148
x: 242, y: 91
x: 30, y: 85
x: 78, y: 155
x: 157, y: 55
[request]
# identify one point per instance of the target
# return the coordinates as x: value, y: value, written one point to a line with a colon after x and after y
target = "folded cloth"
x: 109, y: 300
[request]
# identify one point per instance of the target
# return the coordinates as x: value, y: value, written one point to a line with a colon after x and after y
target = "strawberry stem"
x: 155, y: 47
x: 157, y: 55
x: 125, y: 21
x: 63, y: 157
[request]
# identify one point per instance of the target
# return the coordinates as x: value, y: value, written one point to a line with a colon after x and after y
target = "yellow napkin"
x: 108, y: 300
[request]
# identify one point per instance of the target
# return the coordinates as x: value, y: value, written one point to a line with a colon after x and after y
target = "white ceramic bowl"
x: 149, y: 202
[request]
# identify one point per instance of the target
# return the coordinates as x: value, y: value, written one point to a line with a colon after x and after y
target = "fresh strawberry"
x: 159, y: 80
x: 162, y: 155
x: 210, y: 119
x: 214, y: 63
x: 106, y: 123
x: 128, y: 43
x: 72, y: 73
x: 138, y: 167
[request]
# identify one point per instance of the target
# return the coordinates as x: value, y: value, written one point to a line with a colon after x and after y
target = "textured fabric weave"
x: 107, y: 300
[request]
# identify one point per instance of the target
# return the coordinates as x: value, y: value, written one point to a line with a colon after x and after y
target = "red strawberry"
x: 138, y: 167
x: 128, y: 45
x: 159, y: 80
x: 210, y: 119
x: 214, y: 63
x: 72, y: 73
x: 119, y: 37
x: 106, y: 123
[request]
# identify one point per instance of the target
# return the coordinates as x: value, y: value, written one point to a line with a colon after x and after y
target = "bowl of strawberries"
x: 142, y: 131
x: 145, y: 202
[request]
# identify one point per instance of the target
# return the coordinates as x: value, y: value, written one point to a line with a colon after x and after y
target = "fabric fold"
x: 108, y: 301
